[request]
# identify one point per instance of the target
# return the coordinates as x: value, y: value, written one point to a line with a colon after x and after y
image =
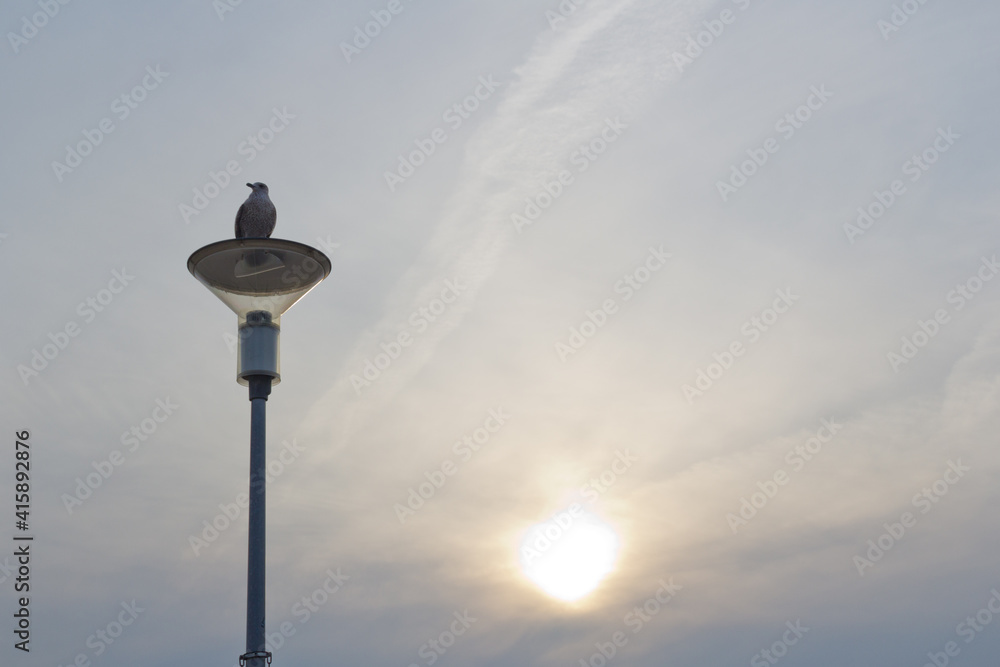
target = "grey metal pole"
x: 256, y: 655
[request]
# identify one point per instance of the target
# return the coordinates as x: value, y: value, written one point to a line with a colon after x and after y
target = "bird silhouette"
x: 257, y: 215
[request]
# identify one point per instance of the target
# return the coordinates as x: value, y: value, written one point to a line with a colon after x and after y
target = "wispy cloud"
x: 604, y: 63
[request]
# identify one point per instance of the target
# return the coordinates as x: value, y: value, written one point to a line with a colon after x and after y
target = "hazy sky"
x: 714, y: 279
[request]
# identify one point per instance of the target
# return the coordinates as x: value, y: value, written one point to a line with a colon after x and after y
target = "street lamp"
x: 259, y: 279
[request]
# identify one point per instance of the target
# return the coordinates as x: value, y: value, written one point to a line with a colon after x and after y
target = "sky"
x: 658, y: 332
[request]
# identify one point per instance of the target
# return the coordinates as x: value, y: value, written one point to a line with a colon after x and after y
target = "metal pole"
x: 256, y: 655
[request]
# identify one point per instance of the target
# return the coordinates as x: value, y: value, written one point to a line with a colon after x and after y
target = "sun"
x: 570, y: 554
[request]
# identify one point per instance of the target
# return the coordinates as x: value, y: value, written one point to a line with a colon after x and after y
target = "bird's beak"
x: 249, y: 185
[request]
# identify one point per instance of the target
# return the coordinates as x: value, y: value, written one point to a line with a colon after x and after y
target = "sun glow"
x: 569, y: 555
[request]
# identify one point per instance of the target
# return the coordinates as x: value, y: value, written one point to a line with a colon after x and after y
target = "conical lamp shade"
x: 258, y: 276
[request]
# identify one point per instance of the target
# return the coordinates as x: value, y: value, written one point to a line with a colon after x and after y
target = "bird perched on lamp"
x: 257, y: 215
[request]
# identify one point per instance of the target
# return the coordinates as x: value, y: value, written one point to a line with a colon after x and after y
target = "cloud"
x: 579, y: 78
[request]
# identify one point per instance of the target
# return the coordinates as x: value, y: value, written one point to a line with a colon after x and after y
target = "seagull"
x: 257, y: 215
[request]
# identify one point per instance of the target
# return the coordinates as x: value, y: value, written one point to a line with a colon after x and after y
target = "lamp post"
x: 259, y: 279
